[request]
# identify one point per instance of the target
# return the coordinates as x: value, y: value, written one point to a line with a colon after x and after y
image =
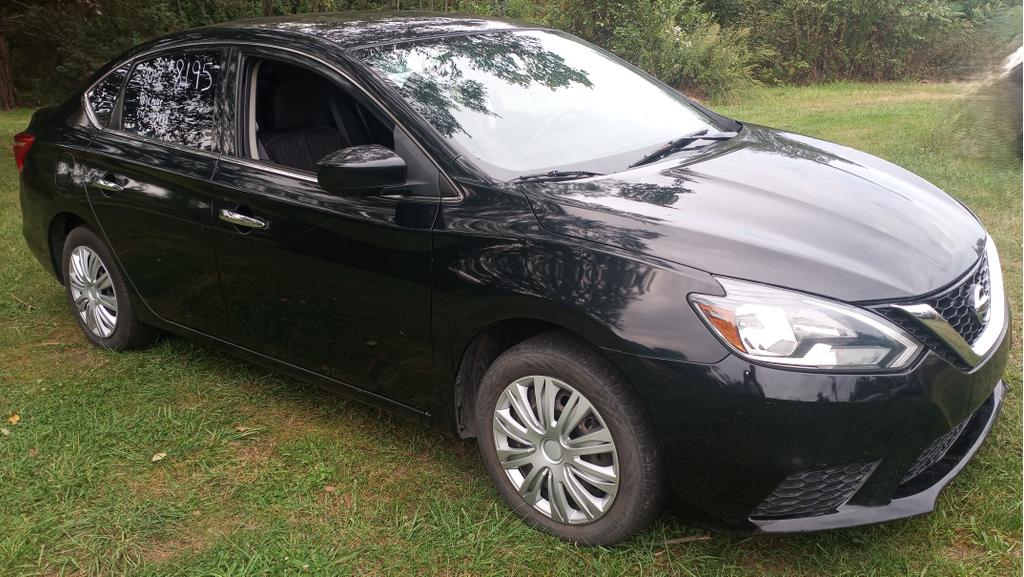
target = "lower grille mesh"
x: 934, y: 452
x: 815, y: 491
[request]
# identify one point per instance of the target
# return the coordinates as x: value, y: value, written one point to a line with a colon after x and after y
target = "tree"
x: 7, y: 97
x: 32, y: 24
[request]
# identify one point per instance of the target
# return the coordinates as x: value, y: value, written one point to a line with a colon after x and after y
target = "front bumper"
x: 918, y: 494
x: 743, y: 441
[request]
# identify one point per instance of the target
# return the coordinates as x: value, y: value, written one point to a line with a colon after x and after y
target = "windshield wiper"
x: 681, y: 143
x: 555, y: 175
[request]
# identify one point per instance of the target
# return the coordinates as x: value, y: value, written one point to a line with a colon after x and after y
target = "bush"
x: 707, y: 48
x: 700, y: 57
x: 673, y: 40
x: 820, y: 40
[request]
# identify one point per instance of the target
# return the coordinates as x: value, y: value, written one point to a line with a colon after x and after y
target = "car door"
x: 336, y: 285
x: 147, y: 180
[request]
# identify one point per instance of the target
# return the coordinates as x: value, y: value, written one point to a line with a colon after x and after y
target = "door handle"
x: 107, y: 185
x: 239, y: 219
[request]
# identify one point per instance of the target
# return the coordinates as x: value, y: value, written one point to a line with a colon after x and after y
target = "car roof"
x: 351, y: 30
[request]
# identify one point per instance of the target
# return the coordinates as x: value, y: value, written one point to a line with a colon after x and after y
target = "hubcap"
x: 92, y: 291
x: 556, y: 449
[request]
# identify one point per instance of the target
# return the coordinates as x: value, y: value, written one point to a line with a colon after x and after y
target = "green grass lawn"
x: 268, y: 476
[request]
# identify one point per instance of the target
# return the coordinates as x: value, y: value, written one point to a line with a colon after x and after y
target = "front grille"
x: 956, y: 307
x: 814, y: 492
x: 934, y: 452
x: 955, y: 304
x: 924, y: 336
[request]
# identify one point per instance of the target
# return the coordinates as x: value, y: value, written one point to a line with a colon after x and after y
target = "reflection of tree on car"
x: 527, y: 102
x: 514, y: 58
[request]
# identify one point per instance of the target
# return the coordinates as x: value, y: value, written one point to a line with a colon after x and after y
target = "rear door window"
x: 172, y: 98
x: 102, y: 97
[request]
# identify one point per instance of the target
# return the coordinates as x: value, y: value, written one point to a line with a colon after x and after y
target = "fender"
x: 494, y: 264
x: 497, y: 263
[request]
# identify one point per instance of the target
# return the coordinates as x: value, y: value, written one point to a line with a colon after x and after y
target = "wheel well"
x: 60, y: 226
x: 478, y: 356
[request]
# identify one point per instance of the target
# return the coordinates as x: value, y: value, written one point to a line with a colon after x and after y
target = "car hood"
x: 777, y: 208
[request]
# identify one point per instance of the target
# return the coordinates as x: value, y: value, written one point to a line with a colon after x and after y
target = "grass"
x: 268, y: 476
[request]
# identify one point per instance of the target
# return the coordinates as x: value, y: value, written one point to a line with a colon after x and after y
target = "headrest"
x: 295, y: 103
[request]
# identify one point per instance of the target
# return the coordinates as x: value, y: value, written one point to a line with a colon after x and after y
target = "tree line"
x: 707, y: 48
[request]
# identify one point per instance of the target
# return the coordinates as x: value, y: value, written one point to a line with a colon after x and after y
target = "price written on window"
x: 194, y: 73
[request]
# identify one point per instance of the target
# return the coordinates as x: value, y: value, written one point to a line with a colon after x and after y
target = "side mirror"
x: 360, y: 170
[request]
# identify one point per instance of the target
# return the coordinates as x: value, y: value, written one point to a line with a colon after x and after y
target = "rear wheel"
x: 567, y: 442
x: 99, y: 299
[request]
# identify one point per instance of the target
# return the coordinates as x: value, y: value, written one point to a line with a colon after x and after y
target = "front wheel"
x: 98, y: 295
x: 567, y: 443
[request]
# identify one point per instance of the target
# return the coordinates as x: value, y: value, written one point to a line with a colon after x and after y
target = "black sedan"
x: 514, y: 236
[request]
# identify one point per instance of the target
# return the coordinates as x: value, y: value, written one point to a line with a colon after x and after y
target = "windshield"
x: 525, y: 102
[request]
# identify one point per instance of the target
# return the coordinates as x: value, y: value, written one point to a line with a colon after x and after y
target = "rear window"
x: 171, y: 98
x: 103, y: 95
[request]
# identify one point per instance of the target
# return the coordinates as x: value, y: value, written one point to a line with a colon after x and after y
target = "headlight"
x: 783, y: 327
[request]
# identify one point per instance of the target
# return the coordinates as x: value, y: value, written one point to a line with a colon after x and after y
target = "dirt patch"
x: 251, y: 458
x: 874, y: 99
x: 62, y: 572
x: 961, y: 550
x: 912, y: 97
x: 150, y: 487
x: 57, y: 353
x: 198, y: 533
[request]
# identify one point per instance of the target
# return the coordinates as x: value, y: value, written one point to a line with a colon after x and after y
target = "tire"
x: 571, y: 376
x: 114, y: 327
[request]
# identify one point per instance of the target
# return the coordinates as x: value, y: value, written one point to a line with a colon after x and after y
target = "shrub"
x: 704, y: 47
x: 673, y: 40
x: 702, y: 58
x: 866, y: 39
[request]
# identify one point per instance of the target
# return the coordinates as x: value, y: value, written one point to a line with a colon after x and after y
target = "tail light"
x: 23, y: 142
